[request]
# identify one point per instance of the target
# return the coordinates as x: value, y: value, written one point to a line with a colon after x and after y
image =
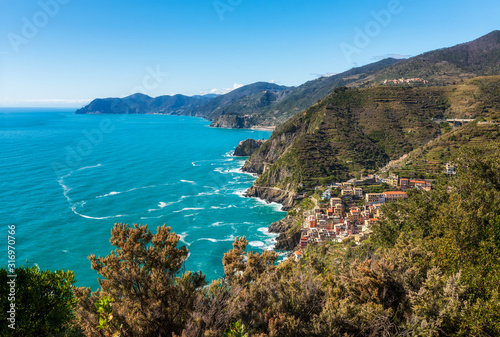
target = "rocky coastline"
x: 232, y: 122
x: 247, y: 147
x: 272, y: 194
x: 285, y: 240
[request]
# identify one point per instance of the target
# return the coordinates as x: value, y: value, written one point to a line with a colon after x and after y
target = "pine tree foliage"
x: 142, y: 277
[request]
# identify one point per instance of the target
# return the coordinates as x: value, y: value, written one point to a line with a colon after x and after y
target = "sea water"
x: 66, y: 179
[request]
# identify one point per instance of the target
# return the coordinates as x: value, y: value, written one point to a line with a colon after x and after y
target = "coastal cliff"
x: 232, y: 122
x: 271, y: 194
x: 247, y: 147
x: 288, y: 239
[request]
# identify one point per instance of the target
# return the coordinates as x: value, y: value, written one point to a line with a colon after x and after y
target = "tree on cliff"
x: 142, y: 293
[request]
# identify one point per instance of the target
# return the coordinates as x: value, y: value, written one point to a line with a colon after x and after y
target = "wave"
x: 261, y: 202
x: 96, y: 218
x: 207, y: 239
x: 221, y: 207
x: 203, y: 194
x: 163, y: 205
x: 66, y: 190
x: 89, y: 167
x: 152, y: 217
x: 217, y: 224
x: 240, y: 193
x: 189, y: 209
x: 182, y: 238
x: 109, y: 194
x: 230, y: 238
x: 227, y: 171
x: 188, y: 181
x: 130, y: 190
x: 264, y: 230
x: 259, y: 244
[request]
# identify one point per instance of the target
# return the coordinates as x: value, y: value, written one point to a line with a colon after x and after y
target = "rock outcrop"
x: 232, y: 122
x: 272, y: 194
x: 247, y: 147
x: 282, y: 225
x: 287, y: 240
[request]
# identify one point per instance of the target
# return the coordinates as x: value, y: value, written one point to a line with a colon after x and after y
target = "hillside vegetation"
x: 480, y: 57
x: 356, y: 131
x: 431, y: 269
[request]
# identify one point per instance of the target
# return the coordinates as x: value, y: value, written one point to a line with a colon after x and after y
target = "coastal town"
x: 348, y: 210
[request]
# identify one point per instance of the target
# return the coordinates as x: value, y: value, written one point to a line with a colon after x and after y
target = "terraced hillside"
x: 356, y: 131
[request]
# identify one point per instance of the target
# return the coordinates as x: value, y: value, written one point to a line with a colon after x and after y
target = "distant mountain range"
x: 143, y: 104
x: 267, y: 104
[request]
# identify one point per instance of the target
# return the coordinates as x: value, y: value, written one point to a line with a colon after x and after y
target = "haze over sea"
x: 67, y: 179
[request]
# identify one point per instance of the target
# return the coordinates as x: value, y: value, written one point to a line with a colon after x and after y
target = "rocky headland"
x: 247, y: 147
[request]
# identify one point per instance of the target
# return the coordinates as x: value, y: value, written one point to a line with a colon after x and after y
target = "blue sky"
x: 66, y: 52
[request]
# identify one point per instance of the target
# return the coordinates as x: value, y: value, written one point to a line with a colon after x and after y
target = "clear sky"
x: 66, y: 52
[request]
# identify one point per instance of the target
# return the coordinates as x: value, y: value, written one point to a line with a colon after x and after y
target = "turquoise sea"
x: 66, y: 179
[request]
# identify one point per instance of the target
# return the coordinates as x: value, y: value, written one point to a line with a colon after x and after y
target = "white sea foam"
x: 127, y: 191
x: 207, y: 239
x: 182, y: 238
x: 277, y: 207
x: 240, y: 193
x: 73, y: 208
x: 256, y: 244
x: 226, y: 171
x: 109, y: 194
x: 223, y: 207
x: 217, y: 224
x: 204, y: 194
x: 89, y: 167
x: 188, y: 181
x: 188, y: 209
x: 162, y: 205
x: 264, y: 230
x: 229, y: 238
x: 152, y: 217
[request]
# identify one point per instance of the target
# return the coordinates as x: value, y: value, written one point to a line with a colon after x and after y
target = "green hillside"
x: 480, y: 57
x: 446, y: 66
x: 356, y: 131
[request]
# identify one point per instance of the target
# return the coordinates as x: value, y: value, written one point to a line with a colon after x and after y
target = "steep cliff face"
x: 281, y: 226
x: 287, y: 242
x: 232, y: 122
x: 247, y: 147
x: 272, y: 194
x: 288, y: 239
x: 271, y: 150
